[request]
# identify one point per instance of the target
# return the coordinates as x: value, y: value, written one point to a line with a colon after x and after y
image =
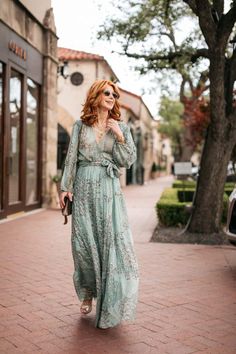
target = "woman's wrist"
x: 120, y: 138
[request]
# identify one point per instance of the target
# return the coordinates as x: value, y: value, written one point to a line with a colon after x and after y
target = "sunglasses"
x: 109, y: 93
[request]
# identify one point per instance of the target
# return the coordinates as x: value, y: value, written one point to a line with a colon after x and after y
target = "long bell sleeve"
x: 69, y: 172
x: 124, y: 154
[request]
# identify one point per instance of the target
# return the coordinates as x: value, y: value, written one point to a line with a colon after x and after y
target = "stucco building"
x: 28, y: 104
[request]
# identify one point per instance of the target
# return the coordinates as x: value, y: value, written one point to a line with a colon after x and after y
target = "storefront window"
x: 32, y: 141
x: 14, y: 146
x: 1, y: 133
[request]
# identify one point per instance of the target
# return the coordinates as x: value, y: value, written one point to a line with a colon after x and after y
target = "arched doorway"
x: 130, y: 171
x: 62, y: 146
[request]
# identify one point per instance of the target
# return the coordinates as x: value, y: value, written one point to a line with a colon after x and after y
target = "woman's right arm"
x: 69, y: 172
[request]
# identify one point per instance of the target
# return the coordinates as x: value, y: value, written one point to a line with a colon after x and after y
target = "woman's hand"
x: 62, y: 196
x: 114, y: 126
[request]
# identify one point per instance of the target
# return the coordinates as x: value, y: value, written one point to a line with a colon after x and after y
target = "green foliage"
x: 56, y: 178
x: 171, y: 125
x: 171, y: 211
x: 149, y: 30
x: 186, y: 195
x: 156, y: 167
x: 182, y: 184
x: 225, y: 208
x: 192, y: 184
x: 228, y: 190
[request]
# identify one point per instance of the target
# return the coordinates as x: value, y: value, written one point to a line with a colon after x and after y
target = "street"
x: 187, y: 296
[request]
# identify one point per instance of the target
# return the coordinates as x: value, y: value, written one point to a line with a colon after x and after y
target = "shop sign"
x: 17, y: 50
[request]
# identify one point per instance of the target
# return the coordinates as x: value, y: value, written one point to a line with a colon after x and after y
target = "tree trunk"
x: 187, y: 149
x: 208, y: 201
x: 220, y: 140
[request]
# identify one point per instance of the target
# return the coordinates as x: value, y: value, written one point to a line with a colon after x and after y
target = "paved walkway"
x: 187, y: 301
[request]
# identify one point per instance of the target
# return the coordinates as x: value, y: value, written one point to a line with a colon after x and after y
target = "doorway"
x: 19, y: 145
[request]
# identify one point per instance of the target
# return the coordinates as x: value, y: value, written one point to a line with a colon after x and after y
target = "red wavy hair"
x: 90, y: 111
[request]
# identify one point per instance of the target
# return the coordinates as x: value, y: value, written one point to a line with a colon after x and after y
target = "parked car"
x: 231, y: 172
x: 231, y: 219
x: 195, y: 172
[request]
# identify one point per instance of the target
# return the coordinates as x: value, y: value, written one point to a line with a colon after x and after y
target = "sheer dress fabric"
x: 105, y: 264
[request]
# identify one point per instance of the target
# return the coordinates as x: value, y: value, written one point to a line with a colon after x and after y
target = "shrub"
x: 187, y: 185
x: 182, y: 184
x: 225, y: 208
x: 172, y: 211
x: 185, y: 195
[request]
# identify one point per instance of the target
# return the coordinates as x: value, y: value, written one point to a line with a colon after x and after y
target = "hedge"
x: 186, y: 184
x: 229, y: 186
x: 172, y: 211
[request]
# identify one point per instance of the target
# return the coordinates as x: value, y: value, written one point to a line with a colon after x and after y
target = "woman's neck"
x: 102, y: 116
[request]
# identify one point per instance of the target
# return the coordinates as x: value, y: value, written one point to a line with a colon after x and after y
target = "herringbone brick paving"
x: 187, y: 298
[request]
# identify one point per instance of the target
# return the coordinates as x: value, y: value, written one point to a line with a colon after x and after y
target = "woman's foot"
x: 86, y: 306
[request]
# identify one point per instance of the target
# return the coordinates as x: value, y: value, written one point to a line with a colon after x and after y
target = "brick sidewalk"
x: 187, y: 299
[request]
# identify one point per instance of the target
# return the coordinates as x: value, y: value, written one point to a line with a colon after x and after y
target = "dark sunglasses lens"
x: 108, y: 93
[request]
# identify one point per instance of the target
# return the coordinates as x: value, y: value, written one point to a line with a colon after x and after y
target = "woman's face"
x: 108, y: 97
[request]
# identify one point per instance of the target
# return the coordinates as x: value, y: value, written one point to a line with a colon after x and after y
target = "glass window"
x: 14, y: 145
x: 32, y: 141
x: 1, y: 134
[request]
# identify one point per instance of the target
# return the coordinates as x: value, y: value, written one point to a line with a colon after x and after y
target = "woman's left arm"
x: 124, y: 153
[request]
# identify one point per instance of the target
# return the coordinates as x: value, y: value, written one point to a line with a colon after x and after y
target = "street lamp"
x: 63, y: 70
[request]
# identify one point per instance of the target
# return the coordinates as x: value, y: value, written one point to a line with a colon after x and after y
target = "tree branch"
x: 218, y: 5
x: 171, y: 37
x: 192, y: 5
x: 206, y: 21
x: 227, y: 23
x: 202, y: 52
x: 182, y: 87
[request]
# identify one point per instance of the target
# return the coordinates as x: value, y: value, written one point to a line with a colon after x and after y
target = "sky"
x: 77, y: 22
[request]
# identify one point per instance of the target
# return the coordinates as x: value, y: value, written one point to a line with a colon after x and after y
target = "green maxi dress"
x: 105, y: 265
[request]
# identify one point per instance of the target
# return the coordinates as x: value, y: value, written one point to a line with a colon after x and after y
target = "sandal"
x: 86, y: 307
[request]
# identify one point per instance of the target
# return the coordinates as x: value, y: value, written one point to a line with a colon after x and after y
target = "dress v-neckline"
x: 94, y: 134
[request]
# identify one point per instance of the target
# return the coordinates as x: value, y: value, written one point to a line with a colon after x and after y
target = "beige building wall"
x: 167, y: 154
x: 37, y: 8
x: 150, y: 136
x: 70, y: 97
x: 18, y: 20
x: 41, y: 36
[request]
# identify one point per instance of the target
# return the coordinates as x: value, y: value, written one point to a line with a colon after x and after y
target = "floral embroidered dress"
x: 105, y: 265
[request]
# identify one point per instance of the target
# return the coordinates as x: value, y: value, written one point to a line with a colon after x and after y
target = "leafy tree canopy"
x: 162, y: 35
x: 171, y: 125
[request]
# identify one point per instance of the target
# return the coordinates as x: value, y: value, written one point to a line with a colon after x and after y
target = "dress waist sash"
x: 111, y: 168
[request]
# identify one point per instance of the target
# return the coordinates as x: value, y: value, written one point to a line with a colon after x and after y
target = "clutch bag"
x: 67, y: 210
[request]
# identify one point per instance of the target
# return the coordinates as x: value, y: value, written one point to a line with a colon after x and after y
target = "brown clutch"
x: 67, y: 210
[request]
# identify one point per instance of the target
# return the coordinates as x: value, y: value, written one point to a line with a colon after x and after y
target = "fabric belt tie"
x: 111, y: 168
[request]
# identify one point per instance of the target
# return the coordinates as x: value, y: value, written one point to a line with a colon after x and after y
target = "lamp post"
x: 63, y: 70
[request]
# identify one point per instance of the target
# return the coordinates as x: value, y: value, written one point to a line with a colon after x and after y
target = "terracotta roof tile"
x: 71, y: 54
x: 130, y: 93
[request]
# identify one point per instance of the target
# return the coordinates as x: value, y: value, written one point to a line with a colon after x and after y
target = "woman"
x: 102, y: 246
